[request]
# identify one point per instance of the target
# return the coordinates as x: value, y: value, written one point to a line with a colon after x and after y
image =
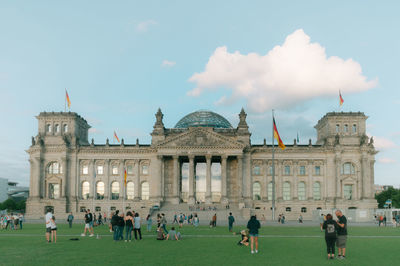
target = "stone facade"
x: 204, y: 161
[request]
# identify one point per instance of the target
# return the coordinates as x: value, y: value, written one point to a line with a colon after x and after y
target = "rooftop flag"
x: 116, y: 137
x: 341, y: 101
x: 125, y: 177
x: 67, y: 99
x: 277, y: 137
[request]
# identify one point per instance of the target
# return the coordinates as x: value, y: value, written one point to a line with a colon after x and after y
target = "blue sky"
x: 122, y: 61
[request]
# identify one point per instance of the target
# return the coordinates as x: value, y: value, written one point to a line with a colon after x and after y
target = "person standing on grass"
x: 149, y: 222
x: 214, y: 220
x: 231, y: 220
x: 330, y: 227
x: 48, y: 218
x: 321, y: 221
x: 341, y: 234
x: 164, y: 223
x: 175, y: 219
x: 128, y: 227
x: 21, y: 220
x: 137, y: 226
x: 196, y: 220
x: 114, y: 225
x: 253, y: 225
x: 53, y: 229
x: 70, y: 219
x: 121, y: 225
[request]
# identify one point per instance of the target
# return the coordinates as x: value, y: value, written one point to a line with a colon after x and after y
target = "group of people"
x: 381, y: 220
x: 128, y: 223
x: 182, y: 218
x: 12, y: 221
x: 335, y: 233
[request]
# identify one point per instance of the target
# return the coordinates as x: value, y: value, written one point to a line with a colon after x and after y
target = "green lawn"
x: 200, y: 246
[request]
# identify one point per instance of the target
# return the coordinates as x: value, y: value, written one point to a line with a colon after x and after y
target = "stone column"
x: 137, y: 181
x: 176, y: 175
x: 208, y: 179
x: 296, y: 169
x: 247, y: 179
x: 264, y: 183
x: 365, y: 176
x: 278, y: 180
x: 309, y: 186
x: 338, y: 163
x: 371, y: 193
x: 93, y: 183
x: 156, y: 179
x: 107, y: 185
x: 121, y: 171
x: 64, y: 189
x: 191, y: 180
x: 223, y: 179
x: 240, y: 178
x: 40, y: 184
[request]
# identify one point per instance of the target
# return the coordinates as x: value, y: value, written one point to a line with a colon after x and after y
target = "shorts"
x: 48, y: 229
x: 253, y: 235
x: 341, y: 241
x: 54, y: 229
x: 91, y: 224
x: 87, y: 225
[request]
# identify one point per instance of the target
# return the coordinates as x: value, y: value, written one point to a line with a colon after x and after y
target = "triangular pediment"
x: 201, y: 138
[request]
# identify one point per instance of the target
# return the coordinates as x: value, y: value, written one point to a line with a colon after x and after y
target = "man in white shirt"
x: 48, y: 218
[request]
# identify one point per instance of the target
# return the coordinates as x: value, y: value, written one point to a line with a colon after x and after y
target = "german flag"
x: 341, y: 101
x: 116, y: 137
x: 277, y: 137
x: 67, y: 98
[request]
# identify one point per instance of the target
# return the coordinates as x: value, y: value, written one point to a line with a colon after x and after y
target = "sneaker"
x: 252, y: 252
x: 340, y: 257
x: 256, y: 251
x: 91, y: 235
x: 82, y: 234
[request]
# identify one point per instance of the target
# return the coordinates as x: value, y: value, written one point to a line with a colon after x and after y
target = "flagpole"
x: 273, y: 169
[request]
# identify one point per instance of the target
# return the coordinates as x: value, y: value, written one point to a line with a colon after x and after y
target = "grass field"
x: 200, y: 246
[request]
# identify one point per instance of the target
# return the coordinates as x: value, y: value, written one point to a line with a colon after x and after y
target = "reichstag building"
x: 203, y: 160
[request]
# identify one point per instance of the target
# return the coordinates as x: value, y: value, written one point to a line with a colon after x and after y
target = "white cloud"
x: 386, y: 160
x: 167, y: 63
x: 143, y: 26
x: 296, y: 71
x: 381, y: 143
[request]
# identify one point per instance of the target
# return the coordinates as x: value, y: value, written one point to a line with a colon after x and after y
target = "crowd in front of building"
x: 11, y: 221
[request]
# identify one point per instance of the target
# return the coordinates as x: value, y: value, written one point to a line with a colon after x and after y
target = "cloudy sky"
x: 122, y: 61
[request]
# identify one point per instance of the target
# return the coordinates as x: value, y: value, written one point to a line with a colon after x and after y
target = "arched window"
x: 115, y: 190
x: 346, y: 128
x: 354, y: 128
x: 256, y: 191
x: 317, y: 191
x: 48, y: 128
x: 57, y: 128
x: 65, y: 128
x: 145, y: 191
x: 301, y: 191
x: 130, y: 190
x: 348, y: 169
x: 54, y: 168
x: 100, y: 190
x: 85, y: 190
x: 303, y: 209
x: 337, y: 128
x: 286, y: 191
x: 270, y: 191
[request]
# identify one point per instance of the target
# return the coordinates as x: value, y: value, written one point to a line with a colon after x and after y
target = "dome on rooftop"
x: 203, y: 118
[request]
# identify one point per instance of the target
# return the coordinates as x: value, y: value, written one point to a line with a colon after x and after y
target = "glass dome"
x: 203, y: 118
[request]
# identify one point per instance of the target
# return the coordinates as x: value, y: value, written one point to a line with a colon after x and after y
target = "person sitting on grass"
x: 173, y: 235
x: 160, y: 233
x: 245, y: 238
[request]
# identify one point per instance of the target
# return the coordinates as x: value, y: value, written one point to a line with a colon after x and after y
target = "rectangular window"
x: 348, y: 192
x: 354, y: 128
x: 337, y: 128
x: 82, y: 209
x: 317, y: 170
x: 115, y: 169
x: 145, y: 169
x: 287, y: 170
x: 256, y: 170
x: 129, y: 170
x: 54, y: 191
x: 98, y: 209
x: 302, y: 170
x: 270, y: 170
x: 100, y: 170
x: 85, y: 170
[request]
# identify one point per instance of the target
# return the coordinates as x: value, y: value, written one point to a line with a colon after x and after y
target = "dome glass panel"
x: 203, y: 118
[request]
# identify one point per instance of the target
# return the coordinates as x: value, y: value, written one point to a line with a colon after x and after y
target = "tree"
x: 392, y: 194
x: 9, y: 204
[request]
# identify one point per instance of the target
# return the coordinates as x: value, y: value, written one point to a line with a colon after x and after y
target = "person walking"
x: 253, y: 225
x: 53, y: 227
x: 330, y: 226
x: 149, y: 222
x: 70, y: 219
x: 137, y: 226
x: 88, y: 224
x: 341, y: 234
x: 175, y: 219
x: 128, y: 227
x: 231, y: 220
